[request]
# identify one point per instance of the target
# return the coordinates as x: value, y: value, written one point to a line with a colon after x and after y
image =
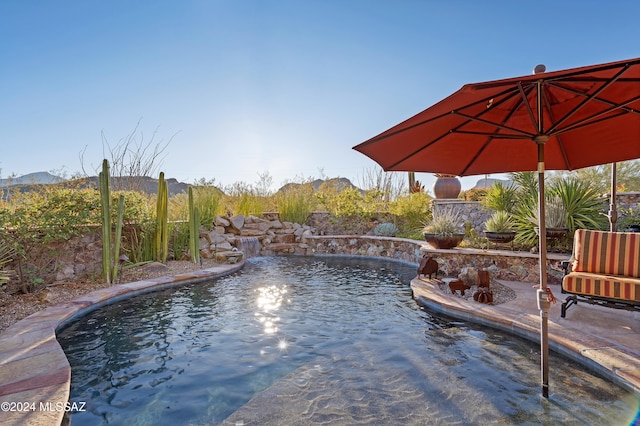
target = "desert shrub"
x: 474, y: 194
x: 242, y: 198
x: 296, y: 203
x: 33, y: 220
x: 207, y: 199
x: 411, y: 212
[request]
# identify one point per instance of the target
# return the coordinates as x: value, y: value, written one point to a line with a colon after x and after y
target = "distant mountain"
x: 489, y: 182
x: 140, y: 183
x: 338, y: 183
x: 145, y: 184
x: 37, y: 178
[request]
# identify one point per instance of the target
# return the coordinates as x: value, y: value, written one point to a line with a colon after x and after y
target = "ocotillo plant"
x: 194, y: 229
x: 162, y: 221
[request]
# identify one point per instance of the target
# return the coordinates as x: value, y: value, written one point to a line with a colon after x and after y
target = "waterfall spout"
x: 250, y: 246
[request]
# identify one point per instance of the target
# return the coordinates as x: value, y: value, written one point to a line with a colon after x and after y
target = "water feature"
x: 315, y: 340
x: 250, y: 246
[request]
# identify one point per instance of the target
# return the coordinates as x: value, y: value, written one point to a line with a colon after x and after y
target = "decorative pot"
x: 446, y: 186
x: 500, y: 237
x: 554, y: 232
x: 439, y: 241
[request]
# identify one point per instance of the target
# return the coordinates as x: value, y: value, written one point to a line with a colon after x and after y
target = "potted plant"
x: 445, y: 230
x: 499, y: 227
x: 630, y: 219
x: 555, y: 215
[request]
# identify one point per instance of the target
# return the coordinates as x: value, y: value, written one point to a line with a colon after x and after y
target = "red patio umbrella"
x: 561, y: 120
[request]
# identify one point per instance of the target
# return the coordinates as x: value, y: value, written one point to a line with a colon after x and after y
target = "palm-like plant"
x: 501, y: 197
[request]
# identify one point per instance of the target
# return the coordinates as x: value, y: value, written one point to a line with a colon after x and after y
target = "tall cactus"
x: 162, y: 221
x: 105, y: 201
x: 116, y: 243
x: 110, y: 255
x: 194, y: 229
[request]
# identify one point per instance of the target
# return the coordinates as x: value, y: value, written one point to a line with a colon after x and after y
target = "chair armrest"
x: 566, y: 266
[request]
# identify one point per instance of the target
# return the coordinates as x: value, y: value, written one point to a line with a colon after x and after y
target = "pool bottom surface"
x: 316, y: 341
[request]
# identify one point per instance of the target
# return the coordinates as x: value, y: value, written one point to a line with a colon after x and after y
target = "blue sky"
x: 285, y: 87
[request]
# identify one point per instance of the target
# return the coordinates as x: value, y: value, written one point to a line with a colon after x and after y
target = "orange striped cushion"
x: 622, y: 288
x: 610, y: 253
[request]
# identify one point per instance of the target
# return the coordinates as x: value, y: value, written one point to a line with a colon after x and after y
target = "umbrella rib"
x: 455, y: 129
x: 493, y: 123
x: 529, y: 110
x: 587, y: 100
x: 497, y: 135
x: 492, y: 135
x: 621, y: 106
x: 589, y: 122
x: 406, y: 157
x: 404, y: 129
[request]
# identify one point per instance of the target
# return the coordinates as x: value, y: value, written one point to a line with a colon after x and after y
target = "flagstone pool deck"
x: 35, y: 375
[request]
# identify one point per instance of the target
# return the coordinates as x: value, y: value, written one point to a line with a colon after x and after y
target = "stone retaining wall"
x: 458, y: 262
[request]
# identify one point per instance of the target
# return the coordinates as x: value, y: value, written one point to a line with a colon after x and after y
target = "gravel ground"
x: 501, y: 293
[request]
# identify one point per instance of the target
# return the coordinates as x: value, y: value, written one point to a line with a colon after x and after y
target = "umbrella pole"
x: 613, y: 213
x: 543, y: 299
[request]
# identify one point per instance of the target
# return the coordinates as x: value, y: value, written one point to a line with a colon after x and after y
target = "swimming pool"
x: 296, y: 340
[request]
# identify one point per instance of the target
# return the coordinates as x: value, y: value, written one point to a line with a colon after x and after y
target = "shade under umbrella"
x: 562, y: 120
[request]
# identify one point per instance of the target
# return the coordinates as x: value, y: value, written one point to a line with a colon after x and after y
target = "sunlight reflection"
x: 269, y: 300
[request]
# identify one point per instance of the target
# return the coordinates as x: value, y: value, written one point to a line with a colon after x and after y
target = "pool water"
x: 331, y: 340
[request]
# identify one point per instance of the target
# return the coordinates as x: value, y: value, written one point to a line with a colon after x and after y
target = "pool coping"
x: 35, y: 376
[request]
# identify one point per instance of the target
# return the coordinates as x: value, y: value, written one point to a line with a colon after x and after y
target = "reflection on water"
x: 270, y: 297
x: 320, y: 340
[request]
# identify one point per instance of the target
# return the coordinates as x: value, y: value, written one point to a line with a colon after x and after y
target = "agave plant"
x: 386, y: 229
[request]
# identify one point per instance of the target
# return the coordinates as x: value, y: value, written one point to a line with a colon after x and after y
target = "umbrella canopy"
x: 562, y: 120
x: 587, y: 116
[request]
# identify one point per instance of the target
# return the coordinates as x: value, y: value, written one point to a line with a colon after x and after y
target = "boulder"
x: 221, y: 221
x: 237, y: 221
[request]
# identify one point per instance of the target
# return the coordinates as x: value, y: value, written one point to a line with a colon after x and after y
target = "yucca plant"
x: 500, y: 221
x: 446, y: 222
x: 584, y: 210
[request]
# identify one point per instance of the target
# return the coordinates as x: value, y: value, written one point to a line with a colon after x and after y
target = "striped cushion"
x: 609, y: 253
x: 622, y: 288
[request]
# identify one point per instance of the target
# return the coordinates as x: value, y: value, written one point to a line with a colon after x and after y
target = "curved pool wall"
x: 340, y: 336
x: 33, y: 366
